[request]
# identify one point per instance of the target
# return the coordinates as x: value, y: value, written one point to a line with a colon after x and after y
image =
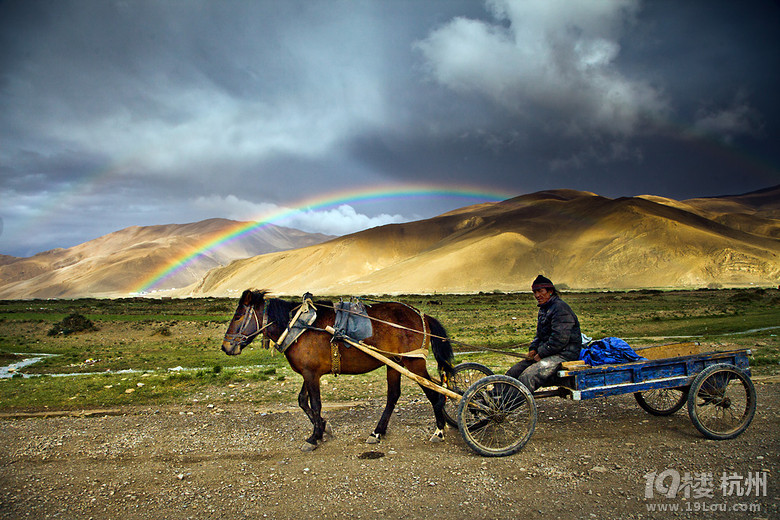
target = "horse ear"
x: 246, y: 297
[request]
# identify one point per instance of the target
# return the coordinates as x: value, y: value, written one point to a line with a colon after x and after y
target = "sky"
x: 121, y: 113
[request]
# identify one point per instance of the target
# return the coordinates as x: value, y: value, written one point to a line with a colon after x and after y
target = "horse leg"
x: 393, y: 393
x: 314, y: 407
x: 315, y: 402
x: 437, y: 400
x: 303, y: 402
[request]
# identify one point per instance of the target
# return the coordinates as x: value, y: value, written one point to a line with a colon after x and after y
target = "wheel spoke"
x: 662, y: 401
x: 465, y: 375
x: 497, y: 416
x: 724, y: 402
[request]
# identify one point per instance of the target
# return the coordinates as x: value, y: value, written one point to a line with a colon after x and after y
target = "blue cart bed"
x: 497, y: 414
x: 586, y: 382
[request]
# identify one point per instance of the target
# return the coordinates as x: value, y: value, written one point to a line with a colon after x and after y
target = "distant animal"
x: 397, y: 329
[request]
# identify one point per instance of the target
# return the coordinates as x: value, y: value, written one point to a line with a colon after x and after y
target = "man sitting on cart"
x: 558, y: 338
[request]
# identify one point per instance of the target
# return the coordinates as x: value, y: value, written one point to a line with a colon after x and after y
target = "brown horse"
x: 311, y: 354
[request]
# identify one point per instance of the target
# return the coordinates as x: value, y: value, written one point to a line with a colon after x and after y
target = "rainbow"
x: 320, y: 202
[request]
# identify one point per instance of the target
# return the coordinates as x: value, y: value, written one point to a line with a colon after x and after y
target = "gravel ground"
x: 586, y: 460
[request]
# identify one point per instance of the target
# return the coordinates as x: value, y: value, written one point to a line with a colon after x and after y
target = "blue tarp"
x: 609, y: 351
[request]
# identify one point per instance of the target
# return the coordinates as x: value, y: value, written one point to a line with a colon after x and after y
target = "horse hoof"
x: 307, y: 447
x: 373, y: 439
x: 438, y: 436
x: 328, y: 429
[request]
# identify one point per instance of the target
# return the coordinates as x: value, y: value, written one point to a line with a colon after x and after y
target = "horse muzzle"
x: 231, y: 348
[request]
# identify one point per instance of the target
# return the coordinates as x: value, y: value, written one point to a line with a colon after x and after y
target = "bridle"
x: 243, y: 336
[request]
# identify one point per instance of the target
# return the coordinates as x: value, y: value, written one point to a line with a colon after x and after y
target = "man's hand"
x: 531, y: 356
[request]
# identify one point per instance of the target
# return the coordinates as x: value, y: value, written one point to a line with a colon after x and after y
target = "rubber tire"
x: 703, y: 380
x: 495, y: 416
x: 457, y: 384
x: 650, y: 407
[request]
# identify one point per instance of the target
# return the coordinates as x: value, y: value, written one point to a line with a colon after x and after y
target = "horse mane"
x: 257, y: 297
x: 279, y: 311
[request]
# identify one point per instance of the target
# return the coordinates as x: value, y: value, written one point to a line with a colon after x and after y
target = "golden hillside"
x: 578, y: 239
x: 115, y: 264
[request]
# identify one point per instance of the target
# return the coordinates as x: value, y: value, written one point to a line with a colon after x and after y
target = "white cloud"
x: 213, y: 128
x: 340, y: 220
x: 233, y: 207
x: 554, y: 56
x: 250, y: 84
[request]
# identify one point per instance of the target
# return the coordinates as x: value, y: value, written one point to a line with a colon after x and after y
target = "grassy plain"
x: 149, y: 351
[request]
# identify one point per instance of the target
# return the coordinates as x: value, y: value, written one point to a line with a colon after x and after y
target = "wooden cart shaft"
x: 403, y: 370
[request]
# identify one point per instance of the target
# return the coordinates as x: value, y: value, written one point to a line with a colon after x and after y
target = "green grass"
x: 154, y: 336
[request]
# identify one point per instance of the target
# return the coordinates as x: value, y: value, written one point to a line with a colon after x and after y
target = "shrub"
x: 71, y: 324
x: 163, y: 331
x: 747, y: 296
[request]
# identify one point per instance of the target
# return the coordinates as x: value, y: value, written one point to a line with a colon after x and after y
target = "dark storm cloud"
x: 120, y: 113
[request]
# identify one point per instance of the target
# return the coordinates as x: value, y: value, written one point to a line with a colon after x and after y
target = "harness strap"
x: 335, y: 358
x: 266, y: 341
x: 424, y: 332
x: 419, y: 353
x: 249, y: 316
x: 506, y: 351
x: 422, y: 351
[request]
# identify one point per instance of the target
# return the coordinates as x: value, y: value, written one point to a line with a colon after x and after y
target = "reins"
x: 422, y: 315
x: 245, y: 320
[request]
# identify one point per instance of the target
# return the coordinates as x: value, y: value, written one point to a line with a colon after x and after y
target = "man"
x: 558, y: 338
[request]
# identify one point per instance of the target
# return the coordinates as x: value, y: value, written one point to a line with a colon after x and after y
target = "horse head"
x: 246, y: 324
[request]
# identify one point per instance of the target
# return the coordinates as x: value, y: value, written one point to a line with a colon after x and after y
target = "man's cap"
x: 542, y: 282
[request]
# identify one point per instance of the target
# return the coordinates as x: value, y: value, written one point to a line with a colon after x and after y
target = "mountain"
x: 579, y: 239
x: 118, y: 263
x: 757, y: 212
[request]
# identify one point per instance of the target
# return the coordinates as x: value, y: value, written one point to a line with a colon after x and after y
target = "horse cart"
x: 495, y: 414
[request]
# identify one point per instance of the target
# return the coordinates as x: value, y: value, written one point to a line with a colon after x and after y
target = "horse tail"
x: 442, y: 348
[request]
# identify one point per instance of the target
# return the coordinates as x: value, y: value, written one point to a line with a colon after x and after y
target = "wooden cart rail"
x: 586, y: 382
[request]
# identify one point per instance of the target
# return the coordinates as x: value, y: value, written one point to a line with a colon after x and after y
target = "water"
x: 751, y: 331
x: 14, y: 368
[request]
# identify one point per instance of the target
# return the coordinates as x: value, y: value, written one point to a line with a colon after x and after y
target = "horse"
x: 397, y: 329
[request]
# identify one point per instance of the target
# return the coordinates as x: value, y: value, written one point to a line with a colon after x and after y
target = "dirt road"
x: 586, y: 460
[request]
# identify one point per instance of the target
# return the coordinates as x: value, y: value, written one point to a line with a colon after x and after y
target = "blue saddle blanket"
x: 609, y: 351
x: 352, y: 321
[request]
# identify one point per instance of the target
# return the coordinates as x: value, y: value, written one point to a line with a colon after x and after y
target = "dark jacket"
x: 557, y: 331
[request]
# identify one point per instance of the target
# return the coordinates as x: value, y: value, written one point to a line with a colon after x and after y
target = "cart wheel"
x: 497, y: 416
x: 662, y: 401
x: 463, y: 376
x: 722, y: 401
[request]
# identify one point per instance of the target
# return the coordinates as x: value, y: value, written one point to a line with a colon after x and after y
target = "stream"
x: 14, y: 369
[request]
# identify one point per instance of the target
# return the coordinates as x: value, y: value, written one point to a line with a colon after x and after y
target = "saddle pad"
x: 306, y: 318
x: 352, y: 321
